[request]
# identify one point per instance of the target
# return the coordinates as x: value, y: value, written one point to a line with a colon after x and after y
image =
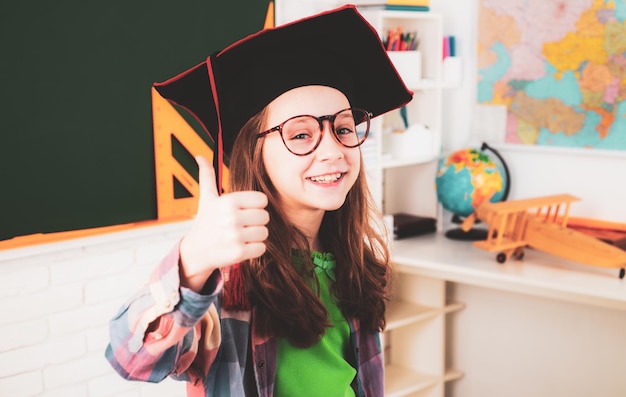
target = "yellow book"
x: 408, y: 2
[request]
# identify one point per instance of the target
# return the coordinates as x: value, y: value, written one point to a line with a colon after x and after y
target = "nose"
x: 329, y: 149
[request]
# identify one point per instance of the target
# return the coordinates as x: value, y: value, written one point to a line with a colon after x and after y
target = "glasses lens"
x: 301, y: 134
x: 351, y: 127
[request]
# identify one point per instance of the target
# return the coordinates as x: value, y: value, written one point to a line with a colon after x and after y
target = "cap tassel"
x: 234, y: 296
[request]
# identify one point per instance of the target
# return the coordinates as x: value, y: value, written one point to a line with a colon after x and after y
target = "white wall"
x: 55, y: 303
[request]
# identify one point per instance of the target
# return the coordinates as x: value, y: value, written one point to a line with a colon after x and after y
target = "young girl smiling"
x: 280, y: 286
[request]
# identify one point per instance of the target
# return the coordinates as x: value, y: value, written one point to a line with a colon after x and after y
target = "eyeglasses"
x: 303, y: 134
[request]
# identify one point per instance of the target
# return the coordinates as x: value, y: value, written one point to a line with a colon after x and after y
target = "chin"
x: 332, y: 206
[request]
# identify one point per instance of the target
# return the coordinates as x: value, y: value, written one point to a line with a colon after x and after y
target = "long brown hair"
x: 284, y: 303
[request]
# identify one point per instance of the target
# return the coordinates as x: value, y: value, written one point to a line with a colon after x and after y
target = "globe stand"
x: 471, y: 235
x: 474, y: 234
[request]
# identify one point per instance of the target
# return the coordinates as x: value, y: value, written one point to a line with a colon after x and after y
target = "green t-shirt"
x: 322, y: 369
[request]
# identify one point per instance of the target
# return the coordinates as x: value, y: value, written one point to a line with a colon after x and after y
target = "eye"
x: 344, y: 130
x: 300, y: 128
x: 344, y: 124
x: 300, y: 135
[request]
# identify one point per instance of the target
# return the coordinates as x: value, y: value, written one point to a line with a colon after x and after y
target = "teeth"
x: 326, y: 178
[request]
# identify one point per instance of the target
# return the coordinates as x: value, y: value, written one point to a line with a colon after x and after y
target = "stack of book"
x: 408, y: 225
x: 408, y: 5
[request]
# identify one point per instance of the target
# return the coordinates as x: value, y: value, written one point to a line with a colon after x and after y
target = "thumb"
x: 206, y: 176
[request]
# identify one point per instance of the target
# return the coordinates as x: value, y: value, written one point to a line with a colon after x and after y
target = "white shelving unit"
x: 415, y: 338
x: 406, y: 184
x: 414, y: 341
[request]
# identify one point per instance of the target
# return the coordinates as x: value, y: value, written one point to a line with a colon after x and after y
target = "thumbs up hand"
x: 227, y: 229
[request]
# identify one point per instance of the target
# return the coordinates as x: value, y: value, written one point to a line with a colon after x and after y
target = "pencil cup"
x: 408, y: 64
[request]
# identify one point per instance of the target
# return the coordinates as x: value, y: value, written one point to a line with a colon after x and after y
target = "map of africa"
x: 559, y: 67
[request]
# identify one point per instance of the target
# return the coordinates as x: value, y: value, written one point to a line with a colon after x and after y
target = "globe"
x: 465, y: 179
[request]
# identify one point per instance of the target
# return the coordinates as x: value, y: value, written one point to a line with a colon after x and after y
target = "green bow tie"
x: 324, y: 262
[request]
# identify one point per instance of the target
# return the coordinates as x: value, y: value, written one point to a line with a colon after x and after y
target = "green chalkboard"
x: 76, y: 147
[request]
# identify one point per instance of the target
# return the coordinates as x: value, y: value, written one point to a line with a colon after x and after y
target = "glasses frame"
x: 331, y: 118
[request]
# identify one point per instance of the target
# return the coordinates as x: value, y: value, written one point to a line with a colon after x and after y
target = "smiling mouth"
x: 329, y: 178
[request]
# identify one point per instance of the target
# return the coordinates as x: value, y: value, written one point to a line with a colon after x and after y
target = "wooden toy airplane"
x: 541, y: 223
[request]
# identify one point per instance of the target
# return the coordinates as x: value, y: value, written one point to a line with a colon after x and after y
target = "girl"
x: 280, y: 286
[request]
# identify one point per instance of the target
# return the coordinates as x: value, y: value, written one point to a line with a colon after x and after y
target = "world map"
x: 559, y: 68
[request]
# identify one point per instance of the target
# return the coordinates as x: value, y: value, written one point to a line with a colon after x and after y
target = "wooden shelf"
x: 402, y: 382
x: 400, y: 313
x: 454, y: 307
x: 387, y: 173
x: 400, y: 169
x: 452, y: 374
x: 395, y: 163
x: 538, y: 274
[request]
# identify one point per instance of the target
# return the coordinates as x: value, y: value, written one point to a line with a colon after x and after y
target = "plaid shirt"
x: 198, y: 342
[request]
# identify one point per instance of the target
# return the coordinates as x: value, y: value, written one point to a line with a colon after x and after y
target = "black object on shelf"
x: 474, y: 234
x: 407, y: 225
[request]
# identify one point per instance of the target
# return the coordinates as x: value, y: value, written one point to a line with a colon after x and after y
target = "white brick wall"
x: 55, y: 304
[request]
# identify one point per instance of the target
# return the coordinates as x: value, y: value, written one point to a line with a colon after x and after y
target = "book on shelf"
x: 393, y: 7
x: 397, y: 5
x: 423, y: 3
x: 407, y: 225
x: 407, y: 5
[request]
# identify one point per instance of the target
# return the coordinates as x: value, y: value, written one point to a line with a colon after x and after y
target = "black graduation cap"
x: 336, y: 48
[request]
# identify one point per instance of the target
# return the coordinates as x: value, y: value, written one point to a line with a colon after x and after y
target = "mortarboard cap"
x: 337, y: 48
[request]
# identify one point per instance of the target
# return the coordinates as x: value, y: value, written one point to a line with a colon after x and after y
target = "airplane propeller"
x: 468, y: 223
